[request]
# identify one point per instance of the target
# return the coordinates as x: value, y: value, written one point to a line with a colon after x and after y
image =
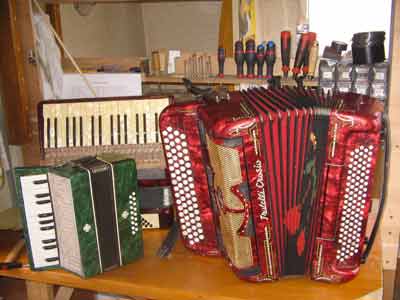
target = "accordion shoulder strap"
x: 386, y: 149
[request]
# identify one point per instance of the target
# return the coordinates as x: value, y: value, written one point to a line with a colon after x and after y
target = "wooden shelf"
x: 227, y: 80
x: 186, y: 276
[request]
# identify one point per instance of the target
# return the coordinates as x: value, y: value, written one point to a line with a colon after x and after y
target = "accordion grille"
x: 225, y: 163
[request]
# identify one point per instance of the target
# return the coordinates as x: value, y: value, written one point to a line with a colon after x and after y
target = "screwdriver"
x: 221, y: 61
x: 239, y: 58
x: 312, y: 36
x: 250, y: 57
x: 260, y: 60
x: 285, y: 52
x: 300, y: 53
x: 270, y: 58
x: 313, y: 59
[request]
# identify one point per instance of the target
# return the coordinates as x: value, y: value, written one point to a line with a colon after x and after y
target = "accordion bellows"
x: 282, y: 179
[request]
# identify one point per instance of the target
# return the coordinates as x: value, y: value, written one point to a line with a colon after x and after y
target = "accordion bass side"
x: 290, y: 174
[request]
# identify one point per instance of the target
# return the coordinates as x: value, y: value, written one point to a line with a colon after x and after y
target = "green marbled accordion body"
x: 96, y: 214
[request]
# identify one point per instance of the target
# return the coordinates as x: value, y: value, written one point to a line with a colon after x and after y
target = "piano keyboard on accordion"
x: 281, y: 179
x: 69, y: 129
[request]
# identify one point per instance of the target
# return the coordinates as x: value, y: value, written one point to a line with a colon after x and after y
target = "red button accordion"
x: 279, y: 181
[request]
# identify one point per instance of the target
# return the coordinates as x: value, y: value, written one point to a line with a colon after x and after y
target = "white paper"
x: 104, y: 84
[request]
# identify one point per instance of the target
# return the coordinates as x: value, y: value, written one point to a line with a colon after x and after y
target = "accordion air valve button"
x: 87, y: 228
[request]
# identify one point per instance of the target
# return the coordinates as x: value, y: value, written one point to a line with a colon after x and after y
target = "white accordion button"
x: 87, y: 228
x: 125, y: 214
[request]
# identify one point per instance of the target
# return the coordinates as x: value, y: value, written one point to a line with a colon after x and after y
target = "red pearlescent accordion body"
x: 283, y: 178
x: 189, y: 185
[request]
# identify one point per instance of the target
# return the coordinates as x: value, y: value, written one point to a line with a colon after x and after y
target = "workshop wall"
x: 110, y: 30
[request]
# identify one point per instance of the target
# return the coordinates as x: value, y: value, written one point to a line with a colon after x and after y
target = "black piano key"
x: 92, y: 120
x: 40, y: 181
x: 112, y: 129
x: 55, y: 133
x: 48, y: 133
x: 80, y: 131
x: 45, y: 215
x: 67, y: 132
x: 42, y: 202
x: 74, y: 131
x: 100, y: 132
x: 119, y: 129
x: 157, y: 128
x: 144, y: 129
x: 42, y: 195
x: 49, y: 247
x: 49, y: 241
x: 126, y: 128
x: 137, y: 129
x: 45, y: 228
x: 44, y: 222
x: 51, y: 259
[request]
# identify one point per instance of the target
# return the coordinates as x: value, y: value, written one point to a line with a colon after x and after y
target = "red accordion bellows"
x: 289, y: 174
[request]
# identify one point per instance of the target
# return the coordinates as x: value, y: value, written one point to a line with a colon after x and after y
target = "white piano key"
x: 114, y: 133
x: 62, y: 123
x: 121, y: 113
x: 95, y: 122
x: 105, y: 122
x: 151, y: 128
x: 132, y: 123
x: 46, y: 113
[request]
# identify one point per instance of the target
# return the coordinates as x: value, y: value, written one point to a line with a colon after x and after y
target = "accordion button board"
x: 283, y: 179
x: 182, y: 149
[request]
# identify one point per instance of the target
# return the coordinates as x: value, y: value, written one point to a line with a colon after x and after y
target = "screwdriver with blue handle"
x: 270, y: 58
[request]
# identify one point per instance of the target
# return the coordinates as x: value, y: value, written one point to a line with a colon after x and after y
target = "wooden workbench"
x: 187, y: 276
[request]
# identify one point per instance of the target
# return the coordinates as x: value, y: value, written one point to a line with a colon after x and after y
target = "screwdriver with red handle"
x: 285, y: 52
x: 312, y: 36
x: 300, y: 54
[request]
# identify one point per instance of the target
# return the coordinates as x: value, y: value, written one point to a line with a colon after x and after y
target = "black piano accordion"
x: 276, y: 180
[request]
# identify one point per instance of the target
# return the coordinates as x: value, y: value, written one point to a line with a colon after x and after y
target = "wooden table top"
x: 187, y: 276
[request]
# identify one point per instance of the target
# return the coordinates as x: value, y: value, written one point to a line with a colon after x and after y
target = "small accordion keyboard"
x: 282, y: 180
x: 69, y: 129
x: 39, y: 216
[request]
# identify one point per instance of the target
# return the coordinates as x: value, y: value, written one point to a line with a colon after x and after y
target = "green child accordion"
x: 82, y: 216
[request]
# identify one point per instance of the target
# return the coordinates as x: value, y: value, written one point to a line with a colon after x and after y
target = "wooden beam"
x: 64, y: 293
x: 39, y: 291
x: 390, y: 225
x: 396, y: 289
x: 31, y: 69
x: 53, y: 10
x: 13, y: 80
